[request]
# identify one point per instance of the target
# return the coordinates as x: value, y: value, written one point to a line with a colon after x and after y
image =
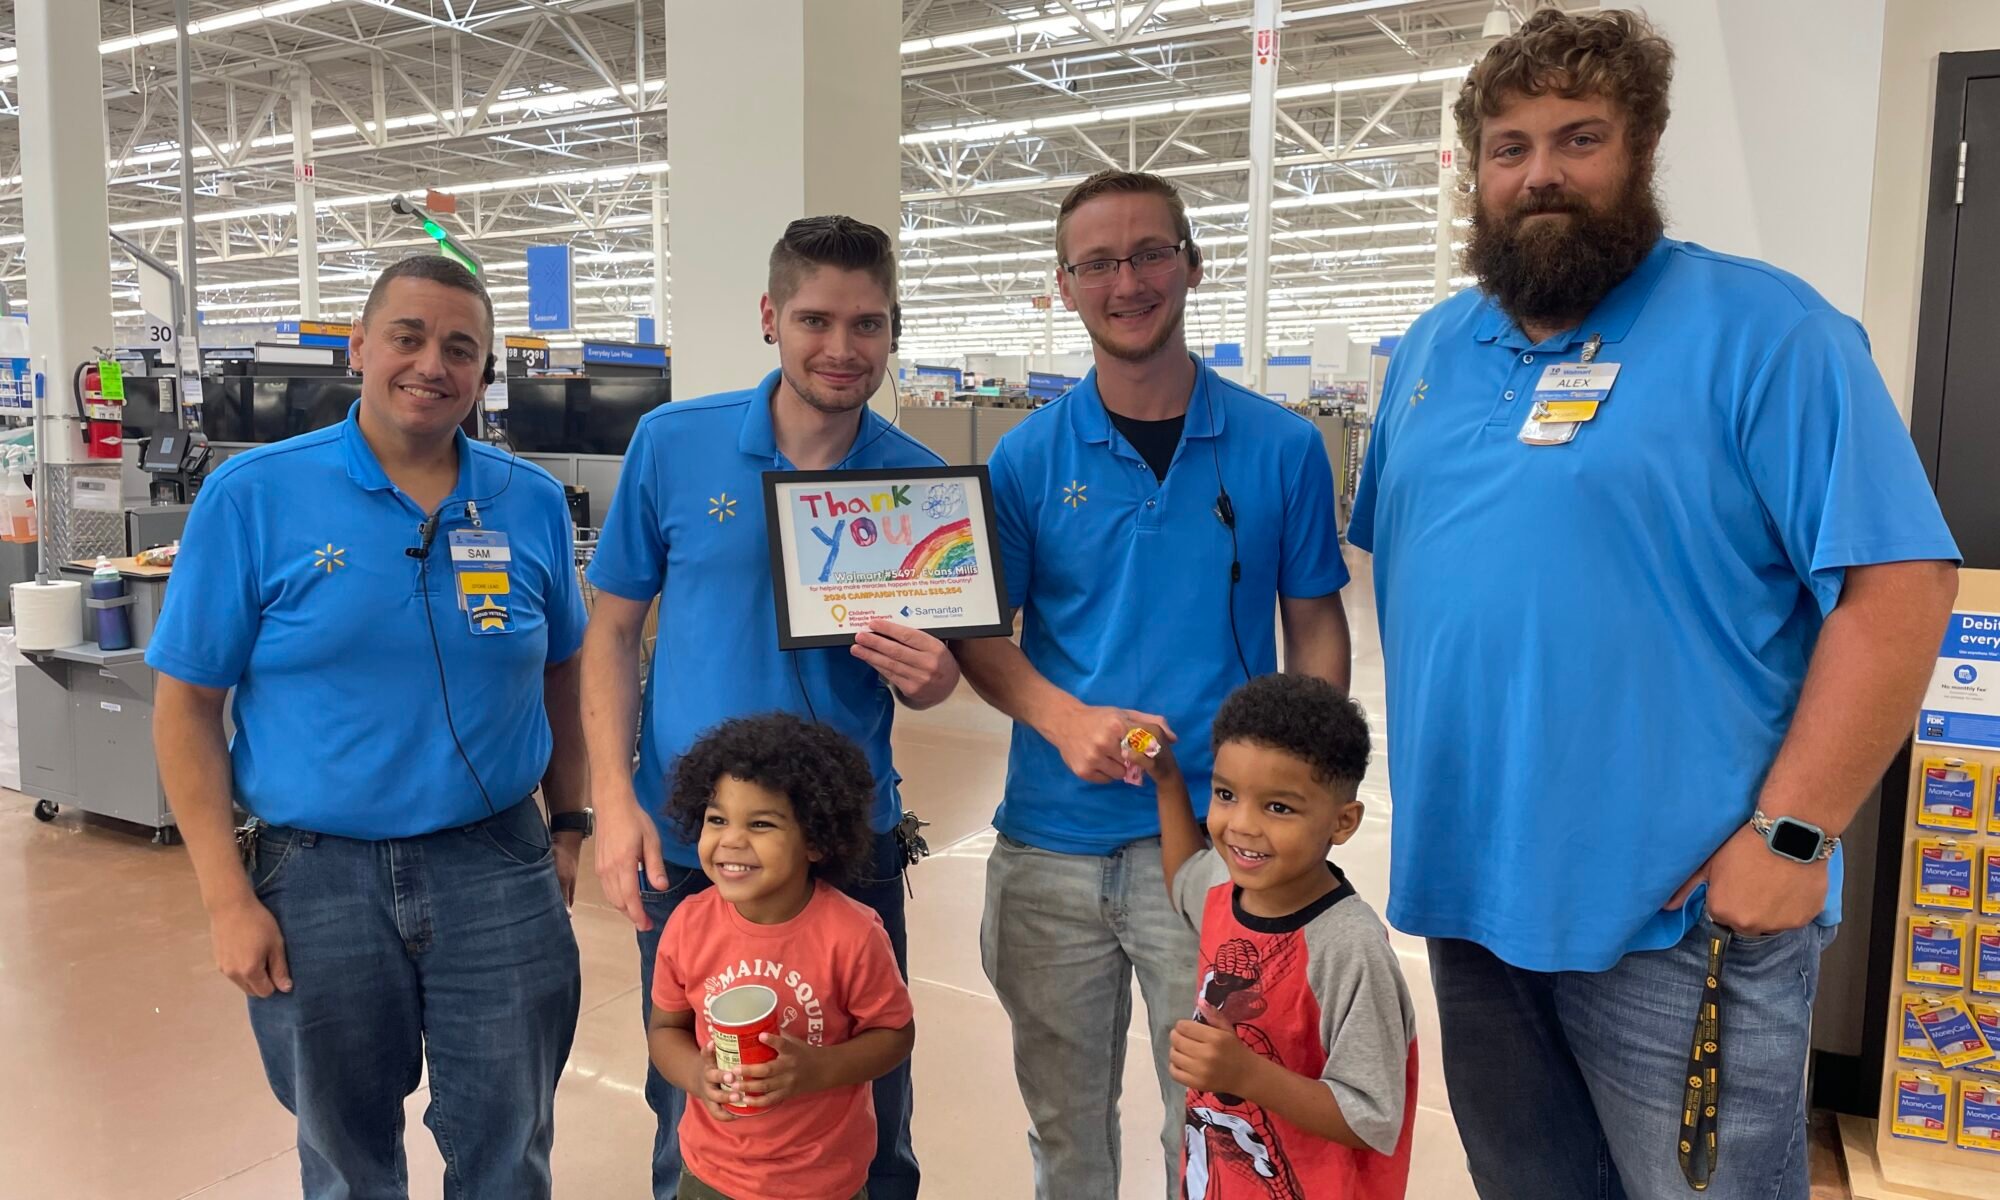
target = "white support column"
x: 1448, y: 152
x: 64, y: 214
x: 816, y: 89
x: 1049, y: 325
x: 1263, y: 133
x: 190, y: 248
x: 660, y: 259
x: 303, y: 194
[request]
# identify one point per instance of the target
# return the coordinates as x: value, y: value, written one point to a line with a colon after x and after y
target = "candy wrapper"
x: 1138, y: 742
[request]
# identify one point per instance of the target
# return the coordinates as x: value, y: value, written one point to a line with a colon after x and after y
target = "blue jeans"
x: 1060, y: 939
x: 893, y: 1175
x: 1568, y: 1085
x: 456, y: 946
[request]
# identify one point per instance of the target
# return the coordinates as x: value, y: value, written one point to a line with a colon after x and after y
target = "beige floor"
x: 128, y: 1068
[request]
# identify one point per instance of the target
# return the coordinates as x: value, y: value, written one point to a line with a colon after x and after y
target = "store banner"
x: 551, y: 287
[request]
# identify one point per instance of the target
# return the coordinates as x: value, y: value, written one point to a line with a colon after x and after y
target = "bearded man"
x: 1660, y: 582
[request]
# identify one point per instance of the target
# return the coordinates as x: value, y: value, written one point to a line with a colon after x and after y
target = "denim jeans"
x: 893, y: 1175
x: 455, y: 946
x: 1060, y: 939
x: 1569, y: 1085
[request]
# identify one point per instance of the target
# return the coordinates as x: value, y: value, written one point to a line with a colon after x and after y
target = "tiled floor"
x: 129, y: 1072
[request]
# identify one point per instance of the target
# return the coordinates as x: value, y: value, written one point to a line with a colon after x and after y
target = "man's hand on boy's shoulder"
x: 1210, y: 1059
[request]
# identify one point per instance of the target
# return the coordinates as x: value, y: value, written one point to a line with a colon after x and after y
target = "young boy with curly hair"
x: 778, y: 809
x: 1301, y: 1061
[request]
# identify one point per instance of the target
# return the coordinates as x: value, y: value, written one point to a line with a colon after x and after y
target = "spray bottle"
x: 17, y: 500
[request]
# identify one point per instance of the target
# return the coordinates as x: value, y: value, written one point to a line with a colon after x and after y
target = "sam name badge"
x: 1568, y: 395
x: 482, y: 564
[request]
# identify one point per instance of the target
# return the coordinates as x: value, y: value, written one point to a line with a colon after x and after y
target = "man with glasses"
x: 1157, y: 524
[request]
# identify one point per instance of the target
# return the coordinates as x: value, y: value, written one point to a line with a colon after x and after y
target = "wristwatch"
x: 584, y: 822
x: 1789, y: 837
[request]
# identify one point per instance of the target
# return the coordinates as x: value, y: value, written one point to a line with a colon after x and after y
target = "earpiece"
x: 488, y: 376
x: 1194, y: 254
x: 895, y: 325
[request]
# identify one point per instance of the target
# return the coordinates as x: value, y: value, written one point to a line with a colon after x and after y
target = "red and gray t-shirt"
x: 1319, y: 993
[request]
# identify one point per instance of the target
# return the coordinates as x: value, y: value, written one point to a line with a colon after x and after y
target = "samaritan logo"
x: 327, y: 558
x: 721, y: 507
x: 1418, y: 392
x: 1075, y: 494
x: 489, y: 614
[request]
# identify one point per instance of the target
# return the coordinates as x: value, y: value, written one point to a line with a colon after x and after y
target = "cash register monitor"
x: 164, y: 450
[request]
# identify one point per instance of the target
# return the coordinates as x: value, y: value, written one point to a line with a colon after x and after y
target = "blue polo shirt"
x: 687, y: 525
x: 1125, y: 581
x: 1594, y: 650
x: 294, y: 588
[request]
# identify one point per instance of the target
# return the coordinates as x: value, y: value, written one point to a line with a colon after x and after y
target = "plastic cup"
x: 735, y: 1019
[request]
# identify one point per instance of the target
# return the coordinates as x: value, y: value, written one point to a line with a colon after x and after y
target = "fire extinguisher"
x: 104, y: 418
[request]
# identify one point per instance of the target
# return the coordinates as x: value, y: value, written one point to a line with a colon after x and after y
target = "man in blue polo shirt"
x: 1648, y: 650
x: 397, y: 610
x: 687, y: 525
x: 1152, y: 522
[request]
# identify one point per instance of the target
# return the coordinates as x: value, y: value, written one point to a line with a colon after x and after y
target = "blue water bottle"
x: 114, y: 623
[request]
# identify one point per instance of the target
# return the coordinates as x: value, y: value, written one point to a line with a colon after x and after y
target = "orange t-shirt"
x: 835, y: 975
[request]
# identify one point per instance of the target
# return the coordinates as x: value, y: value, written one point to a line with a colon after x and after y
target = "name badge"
x: 1568, y: 395
x: 480, y: 562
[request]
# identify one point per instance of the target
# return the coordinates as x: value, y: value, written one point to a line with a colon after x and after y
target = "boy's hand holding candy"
x: 1146, y: 755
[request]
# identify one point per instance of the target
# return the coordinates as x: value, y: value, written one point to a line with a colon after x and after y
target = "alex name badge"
x: 481, y: 562
x: 1568, y: 396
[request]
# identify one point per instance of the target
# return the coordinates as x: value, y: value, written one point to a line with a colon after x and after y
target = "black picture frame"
x: 782, y: 576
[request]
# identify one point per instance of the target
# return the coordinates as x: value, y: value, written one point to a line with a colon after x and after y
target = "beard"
x: 831, y: 406
x: 1554, y: 272
x: 1146, y: 349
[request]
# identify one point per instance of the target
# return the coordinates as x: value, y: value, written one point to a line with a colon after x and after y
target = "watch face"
x: 1795, y: 839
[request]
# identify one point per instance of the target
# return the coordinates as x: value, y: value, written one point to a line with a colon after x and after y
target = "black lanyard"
x: 1702, y: 1104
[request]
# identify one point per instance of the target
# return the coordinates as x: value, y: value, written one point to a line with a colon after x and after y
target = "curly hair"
x: 1616, y: 54
x: 1303, y: 716
x: 823, y: 774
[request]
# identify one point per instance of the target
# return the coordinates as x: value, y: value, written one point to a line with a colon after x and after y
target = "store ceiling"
x: 547, y: 118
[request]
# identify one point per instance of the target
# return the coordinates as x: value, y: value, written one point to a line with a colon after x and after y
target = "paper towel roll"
x: 48, y: 616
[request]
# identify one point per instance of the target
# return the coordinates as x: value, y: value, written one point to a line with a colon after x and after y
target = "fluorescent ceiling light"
x: 994, y: 130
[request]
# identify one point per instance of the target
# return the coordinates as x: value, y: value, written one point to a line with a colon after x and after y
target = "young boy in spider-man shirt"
x: 1300, y: 1062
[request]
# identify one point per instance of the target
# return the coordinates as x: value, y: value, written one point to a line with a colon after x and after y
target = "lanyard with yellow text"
x: 1700, y: 1111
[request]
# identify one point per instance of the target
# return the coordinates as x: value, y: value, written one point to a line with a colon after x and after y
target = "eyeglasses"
x: 1146, y: 264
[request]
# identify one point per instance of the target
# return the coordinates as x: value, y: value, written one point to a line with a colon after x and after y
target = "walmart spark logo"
x: 1418, y: 392
x: 721, y: 507
x: 327, y: 558
x: 1076, y: 494
x: 489, y: 614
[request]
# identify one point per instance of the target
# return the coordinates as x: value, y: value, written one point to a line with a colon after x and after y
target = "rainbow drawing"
x: 946, y: 553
